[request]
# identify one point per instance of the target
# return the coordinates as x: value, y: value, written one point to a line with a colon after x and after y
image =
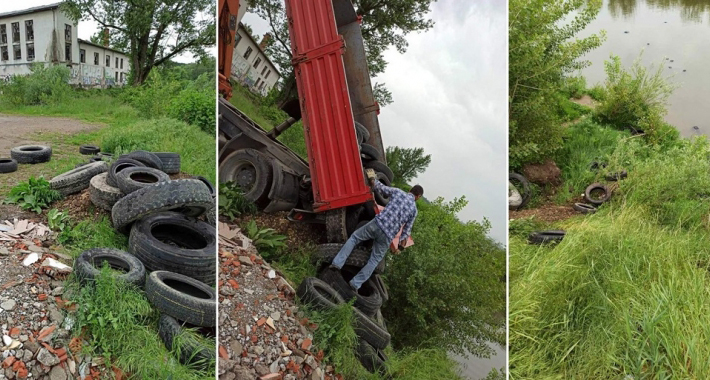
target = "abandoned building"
x: 46, y: 35
x: 250, y: 65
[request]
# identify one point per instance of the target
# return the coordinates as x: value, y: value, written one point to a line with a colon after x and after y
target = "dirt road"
x: 20, y: 130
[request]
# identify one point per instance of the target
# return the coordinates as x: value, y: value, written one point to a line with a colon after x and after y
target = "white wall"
x: 243, y: 69
x: 92, y: 75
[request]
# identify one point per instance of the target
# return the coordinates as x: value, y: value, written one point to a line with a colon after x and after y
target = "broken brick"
x: 306, y: 345
x: 8, y: 362
x: 261, y: 321
x: 223, y: 353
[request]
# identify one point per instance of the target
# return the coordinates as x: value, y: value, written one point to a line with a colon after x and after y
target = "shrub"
x: 232, y: 201
x: 45, y: 85
x: 196, y: 108
x: 35, y: 194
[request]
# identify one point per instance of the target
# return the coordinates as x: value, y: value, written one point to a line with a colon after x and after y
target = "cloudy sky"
x: 450, y: 97
x: 85, y: 29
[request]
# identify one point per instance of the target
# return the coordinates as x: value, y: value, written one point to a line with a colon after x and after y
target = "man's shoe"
x: 333, y: 267
x: 352, y: 287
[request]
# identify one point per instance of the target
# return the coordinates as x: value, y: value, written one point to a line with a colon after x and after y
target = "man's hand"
x: 401, y: 246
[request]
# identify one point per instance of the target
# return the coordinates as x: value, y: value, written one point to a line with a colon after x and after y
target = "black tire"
x: 77, y: 179
x: 584, y: 208
x: 31, y: 154
x: 368, y: 211
x: 105, y: 156
x: 171, y: 162
x: 358, y: 258
x: 81, y: 164
x: 117, y: 166
x: 96, y: 159
x: 369, y: 152
x: 362, y: 133
x: 596, y: 165
x: 367, y: 298
x: 336, y: 229
x: 182, y: 298
x: 381, y: 168
x: 135, y: 178
x: 172, y: 242
x: 549, y: 236
x: 380, y: 198
x: 591, y: 189
x: 372, y: 359
x: 617, y: 176
x: 525, y: 193
x: 148, y: 159
x: 381, y: 287
x: 188, y: 196
x: 89, y: 149
x: 318, y: 294
x: 207, y: 183
x: 251, y: 171
x: 88, y: 265
x: 103, y: 195
x: 188, y: 350
x: 8, y: 165
x: 367, y: 329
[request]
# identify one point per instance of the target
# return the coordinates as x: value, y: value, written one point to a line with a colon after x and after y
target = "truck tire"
x: 590, y: 197
x: 148, y: 159
x: 380, y: 168
x: 318, y: 294
x: 188, y: 196
x: 88, y: 265
x: 171, y: 161
x: 182, y: 298
x: 8, y: 165
x: 101, y: 194
x: 251, y: 171
x: 336, y: 229
x: 367, y: 298
x: 117, y: 166
x: 381, y: 287
x: 370, y: 153
x: 189, y: 351
x: 523, y: 188
x: 132, y: 179
x: 31, y: 154
x: 372, y: 359
x: 367, y: 329
x: 380, y: 198
x: 207, y: 183
x: 170, y: 241
x: 358, y: 258
x: 584, y: 208
x: 89, y: 149
x: 362, y: 133
x: 77, y: 179
x: 549, y: 236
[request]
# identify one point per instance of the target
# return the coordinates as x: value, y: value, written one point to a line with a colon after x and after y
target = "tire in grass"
x: 369, y: 152
x: 171, y: 161
x: 362, y: 133
x: 89, y: 149
x: 371, y: 358
x: 358, y: 258
x: 105, y: 156
x: 584, y: 208
x: 135, y: 178
x: 367, y: 329
x: 590, y: 194
x: 189, y: 351
x: 89, y: 263
x: 182, y: 298
x: 8, y: 165
x: 173, y: 242
x: 31, y: 154
x: 188, y: 196
x: 103, y: 195
x: 147, y: 158
x: 379, y: 167
x: 207, y: 183
x: 367, y: 298
x: 523, y: 188
x: 318, y: 294
x: 77, y: 179
x: 95, y: 159
x: 544, y: 237
x: 617, y: 176
x: 117, y: 166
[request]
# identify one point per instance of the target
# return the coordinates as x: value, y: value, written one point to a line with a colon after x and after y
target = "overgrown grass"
x: 87, y: 234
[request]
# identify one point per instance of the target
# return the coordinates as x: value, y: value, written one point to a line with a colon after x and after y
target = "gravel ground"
x: 15, y: 130
x: 262, y: 334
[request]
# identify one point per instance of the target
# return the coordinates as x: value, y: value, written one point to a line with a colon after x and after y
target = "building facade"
x: 46, y: 35
x: 250, y: 66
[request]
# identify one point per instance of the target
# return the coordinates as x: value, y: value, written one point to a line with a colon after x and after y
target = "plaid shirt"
x: 400, y: 211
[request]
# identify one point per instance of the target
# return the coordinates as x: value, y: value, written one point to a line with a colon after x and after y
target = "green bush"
x: 574, y: 87
x: 34, y: 194
x: 45, y: 85
x: 196, y: 108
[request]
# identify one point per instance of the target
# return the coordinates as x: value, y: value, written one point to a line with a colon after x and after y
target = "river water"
x: 675, y: 29
x: 475, y: 368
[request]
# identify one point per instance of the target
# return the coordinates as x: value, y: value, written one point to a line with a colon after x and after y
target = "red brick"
x: 306, y: 345
x: 223, y: 353
x: 8, y: 362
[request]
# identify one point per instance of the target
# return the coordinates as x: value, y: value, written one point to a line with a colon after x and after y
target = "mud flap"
x: 284, y: 188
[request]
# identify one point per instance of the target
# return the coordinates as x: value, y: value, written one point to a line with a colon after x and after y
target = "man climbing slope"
x: 400, y: 211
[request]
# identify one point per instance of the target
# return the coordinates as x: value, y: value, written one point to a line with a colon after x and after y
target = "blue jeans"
x: 380, y: 244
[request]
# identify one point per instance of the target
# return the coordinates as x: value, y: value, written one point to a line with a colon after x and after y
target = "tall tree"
x: 154, y: 31
x: 385, y: 24
x: 407, y: 163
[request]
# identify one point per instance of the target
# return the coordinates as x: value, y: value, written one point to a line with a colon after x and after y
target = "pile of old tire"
x: 372, y: 159
x: 333, y: 285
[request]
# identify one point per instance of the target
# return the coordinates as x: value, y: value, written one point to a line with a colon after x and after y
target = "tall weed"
x: 46, y: 84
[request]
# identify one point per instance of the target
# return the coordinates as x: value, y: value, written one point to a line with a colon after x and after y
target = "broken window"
x: 67, y: 52
x: 67, y: 32
x: 247, y: 53
x: 3, y: 34
x: 17, y: 52
x: 29, y: 31
x: 30, y: 52
x: 257, y: 62
x: 108, y: 61
x: 82, y: 55
x: 16, y: 32
x: 121, y: 63
x: 4, y: 56
x: 96, y: 59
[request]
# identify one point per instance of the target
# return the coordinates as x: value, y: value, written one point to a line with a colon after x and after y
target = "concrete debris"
x: 30, y: 259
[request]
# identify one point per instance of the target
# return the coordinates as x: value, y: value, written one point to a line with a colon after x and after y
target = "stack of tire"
x: 372, y: 159
x: 25, y: 154
x: 331, y: 288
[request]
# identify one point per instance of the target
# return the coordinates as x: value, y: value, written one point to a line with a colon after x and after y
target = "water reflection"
x: 690, y: 10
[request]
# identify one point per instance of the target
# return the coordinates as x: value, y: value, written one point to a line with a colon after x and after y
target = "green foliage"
x: 196, y: 108
x: 637, y: 99
x: 543, y: 50
x: 574, y: 87
x: 57, y: 220
x: 45, y: 85
x: 597, y: 92
x: 264, y: 238
x: 406, y: 163
x: 35, y: 194
x: 89, y: 234
x: 232, y: 201
x: 449, y: 278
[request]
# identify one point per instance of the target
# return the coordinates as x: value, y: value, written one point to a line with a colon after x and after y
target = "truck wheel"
x: 371, y: 358
x: 31, y: 154
x: 251, y: 171
x: 380, y: 198
x: 101, y: 194
x: 117, y: 166
x: 318, y: 294
x: 182, y: 298
x: 369, y: 152
x: 380, y: 168
x: 171, y: 161
x: 88, y: 265
x: 367, y: 298
x: 336, y: 226
x: 188, y: 350
x: 7, y: 165
x: 135, y: 178
x: 358, y: 258
x: 89, y: 149
x: 362, y: 133
x: 77, y: 179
